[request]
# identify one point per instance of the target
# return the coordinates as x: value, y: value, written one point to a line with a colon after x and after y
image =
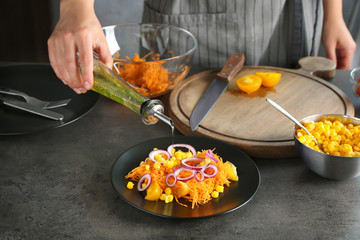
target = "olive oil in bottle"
x: 111, y: 85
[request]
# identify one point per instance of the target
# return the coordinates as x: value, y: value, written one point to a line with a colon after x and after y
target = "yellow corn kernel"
x: 171, y: 164
x: 147, y: 167
x: 178, y: 155
x: 219, y: 188
x: 166, y: 164
x: 356, y: 129
x: 346, y: 148
x: 130, y: 185
x: 316, y: 135
x: 356, y: 154
x: 302, y: 139
x: 157, y: 165
x: 335, y: 137
x: 159, y: 158
x: 189, y: 155
x: 169, y: 198
x: 168, y: 191
x: 316, y: 148
x: 331, y: 147
x: 172, y: 151
x: 215, y: 194
x: 143, y: 185
x: 326, y: 150
x: 163, y: 197
x: 183, y: 155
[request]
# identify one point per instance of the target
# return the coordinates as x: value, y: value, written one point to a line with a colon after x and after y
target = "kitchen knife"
x: 31, y: 108
x: 216, y: 88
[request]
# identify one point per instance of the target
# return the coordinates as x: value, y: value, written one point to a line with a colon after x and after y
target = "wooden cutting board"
x: 248, y: 121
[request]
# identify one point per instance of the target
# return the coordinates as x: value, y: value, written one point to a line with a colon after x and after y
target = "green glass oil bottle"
x: 111, y: 85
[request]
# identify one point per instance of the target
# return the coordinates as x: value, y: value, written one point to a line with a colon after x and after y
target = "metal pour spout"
x: 164, y: 118
x: 153, y: 110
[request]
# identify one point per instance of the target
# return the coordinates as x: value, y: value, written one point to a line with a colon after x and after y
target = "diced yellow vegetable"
x: 178, y: 155
x: 168, y: 191
x: 153, y: 192
x: 157, y: 165
x: 336, y: 138
x: 162, y: 197
x: 182, y: 190
x: 215, y: 194
x: 231, y: 171
x: 169, y: 198
x: 219, y: 189
x: 130, y: 185
x: 159, y: 158
x: 171, y: 164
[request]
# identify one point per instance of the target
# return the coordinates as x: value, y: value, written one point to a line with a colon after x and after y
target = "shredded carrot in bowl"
x: 150, y: 78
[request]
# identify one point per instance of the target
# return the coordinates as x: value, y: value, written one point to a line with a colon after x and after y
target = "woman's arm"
x: 78, y: 30
x: 336, y: 37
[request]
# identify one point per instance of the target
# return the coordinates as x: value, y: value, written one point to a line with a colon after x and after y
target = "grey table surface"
x: 56, y: 185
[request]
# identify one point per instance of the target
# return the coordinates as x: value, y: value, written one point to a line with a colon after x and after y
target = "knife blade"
x: 31, y: 108
x: 232, y: 66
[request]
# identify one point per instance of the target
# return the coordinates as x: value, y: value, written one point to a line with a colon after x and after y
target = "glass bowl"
x: 355, y: 81
x: 152, y: 58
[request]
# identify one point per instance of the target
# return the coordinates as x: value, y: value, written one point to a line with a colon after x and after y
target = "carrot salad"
x: 172, y: 174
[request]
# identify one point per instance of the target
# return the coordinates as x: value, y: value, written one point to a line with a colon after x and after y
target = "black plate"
x: 40, y: 81
x: 237, y: 195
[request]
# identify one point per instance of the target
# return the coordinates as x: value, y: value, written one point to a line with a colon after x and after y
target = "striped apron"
x: 268, y: 32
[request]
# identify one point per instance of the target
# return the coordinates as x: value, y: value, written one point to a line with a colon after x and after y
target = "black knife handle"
x: 232, y: 66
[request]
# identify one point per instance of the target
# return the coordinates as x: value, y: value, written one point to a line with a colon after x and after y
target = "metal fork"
x: 34, y: 101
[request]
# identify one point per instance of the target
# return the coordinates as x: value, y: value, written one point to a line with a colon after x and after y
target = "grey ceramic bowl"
x: 329, y: 166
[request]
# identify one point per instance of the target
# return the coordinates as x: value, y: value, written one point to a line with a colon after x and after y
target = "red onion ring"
x: 153, y: 153
x: 185, y: 165
x: 179, y: 170
x: 142, y: 179
x: 167, y: 179
x: 191, y: 148
x: 213, y: 167
x: 211, y: 155
x: 202, y: 176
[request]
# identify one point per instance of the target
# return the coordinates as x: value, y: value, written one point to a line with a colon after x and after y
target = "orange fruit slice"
x: 249, y: 83
x: 269, y: 79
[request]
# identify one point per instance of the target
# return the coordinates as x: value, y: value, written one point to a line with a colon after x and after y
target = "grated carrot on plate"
x: 193, y: 190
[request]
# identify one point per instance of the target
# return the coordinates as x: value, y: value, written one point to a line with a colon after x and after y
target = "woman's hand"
x: 77, y: 31
x: 336, y: 38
